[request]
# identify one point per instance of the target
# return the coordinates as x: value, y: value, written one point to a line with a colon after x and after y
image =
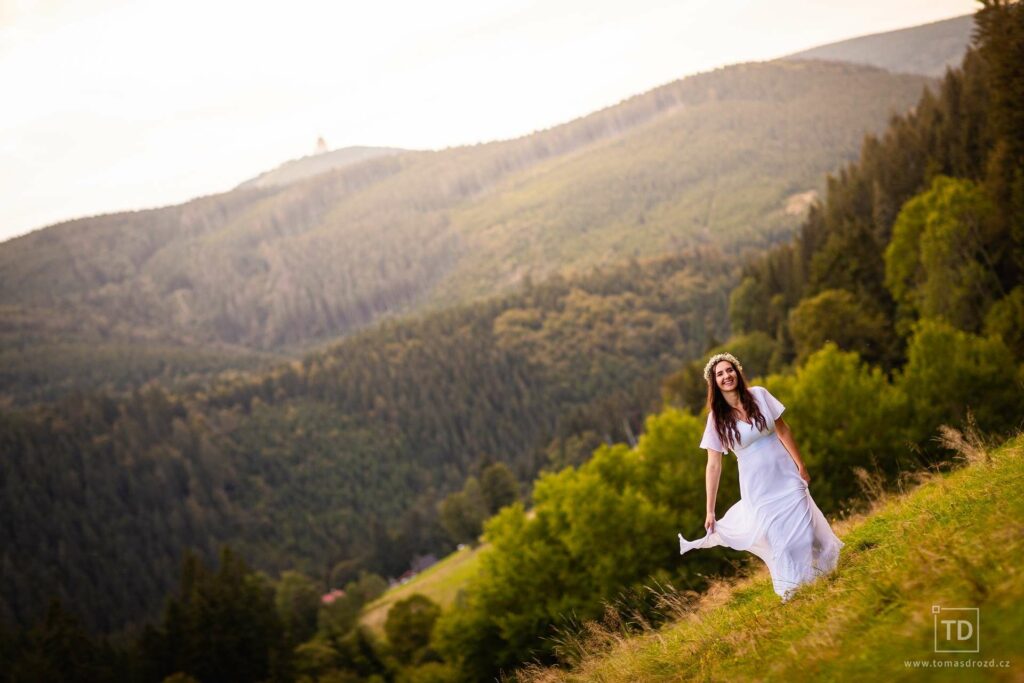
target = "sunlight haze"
x: 112, y: 106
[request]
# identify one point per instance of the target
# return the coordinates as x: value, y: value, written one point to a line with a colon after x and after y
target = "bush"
x: 838, y: 316
x: 844, y: 414
x: 949, y: 372
x: 939, y: 261
x: 1006, y: 319
x: 409, y: 624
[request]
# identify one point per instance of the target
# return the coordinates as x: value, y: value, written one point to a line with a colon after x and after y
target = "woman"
x: 775, y: 518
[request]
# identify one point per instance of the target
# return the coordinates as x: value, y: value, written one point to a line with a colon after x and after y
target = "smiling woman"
x: 775, y: 518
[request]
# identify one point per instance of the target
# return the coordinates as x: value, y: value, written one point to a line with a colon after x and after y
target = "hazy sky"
x: 112, y: 105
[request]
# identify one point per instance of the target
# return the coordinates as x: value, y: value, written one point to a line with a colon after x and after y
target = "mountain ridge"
x: 288, y: 267
x: 285, y: 264
x: 927, y: 49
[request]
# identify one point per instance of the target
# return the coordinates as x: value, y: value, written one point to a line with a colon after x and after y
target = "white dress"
x: 775, y: 518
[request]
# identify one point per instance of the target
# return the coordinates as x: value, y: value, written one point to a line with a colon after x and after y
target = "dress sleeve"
x: 711, y: 440
x: 775, y: 406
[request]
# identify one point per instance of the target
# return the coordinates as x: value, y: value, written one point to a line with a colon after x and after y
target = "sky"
x: 111, y: 105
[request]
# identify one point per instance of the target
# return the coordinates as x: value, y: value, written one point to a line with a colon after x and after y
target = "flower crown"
x: 717, y: 358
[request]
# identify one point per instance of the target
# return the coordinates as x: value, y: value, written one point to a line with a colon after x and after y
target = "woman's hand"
x: 709, y: 522
x: 804, y: 474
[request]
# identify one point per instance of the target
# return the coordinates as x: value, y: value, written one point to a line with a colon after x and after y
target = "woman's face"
x: 725, y: 375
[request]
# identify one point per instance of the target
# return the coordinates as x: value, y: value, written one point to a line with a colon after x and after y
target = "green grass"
x: 441, y: 583
x: 956, y: 540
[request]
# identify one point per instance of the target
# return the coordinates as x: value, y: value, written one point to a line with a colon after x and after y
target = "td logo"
x: 957, y: 629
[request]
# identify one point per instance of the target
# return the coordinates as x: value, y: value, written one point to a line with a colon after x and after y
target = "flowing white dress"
x: 775, y: 518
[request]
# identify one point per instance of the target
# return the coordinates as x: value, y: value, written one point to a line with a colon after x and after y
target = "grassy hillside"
x: 928, y: 50
x: 714, y: 158
x: 954, y: 541
x: 441, y: 583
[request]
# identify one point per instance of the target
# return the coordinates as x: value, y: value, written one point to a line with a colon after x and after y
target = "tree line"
x: 336, y: 464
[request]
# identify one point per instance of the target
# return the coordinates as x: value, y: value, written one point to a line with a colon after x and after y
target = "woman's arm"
x: 713, y: 474
x: 786, y: 437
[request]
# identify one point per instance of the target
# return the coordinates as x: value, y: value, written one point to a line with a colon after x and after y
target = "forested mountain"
x: 335, y: 464
x: 927, y: 50
x: 726, y: 158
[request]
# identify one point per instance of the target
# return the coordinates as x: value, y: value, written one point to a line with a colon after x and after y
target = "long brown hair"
x: 725, y: 418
